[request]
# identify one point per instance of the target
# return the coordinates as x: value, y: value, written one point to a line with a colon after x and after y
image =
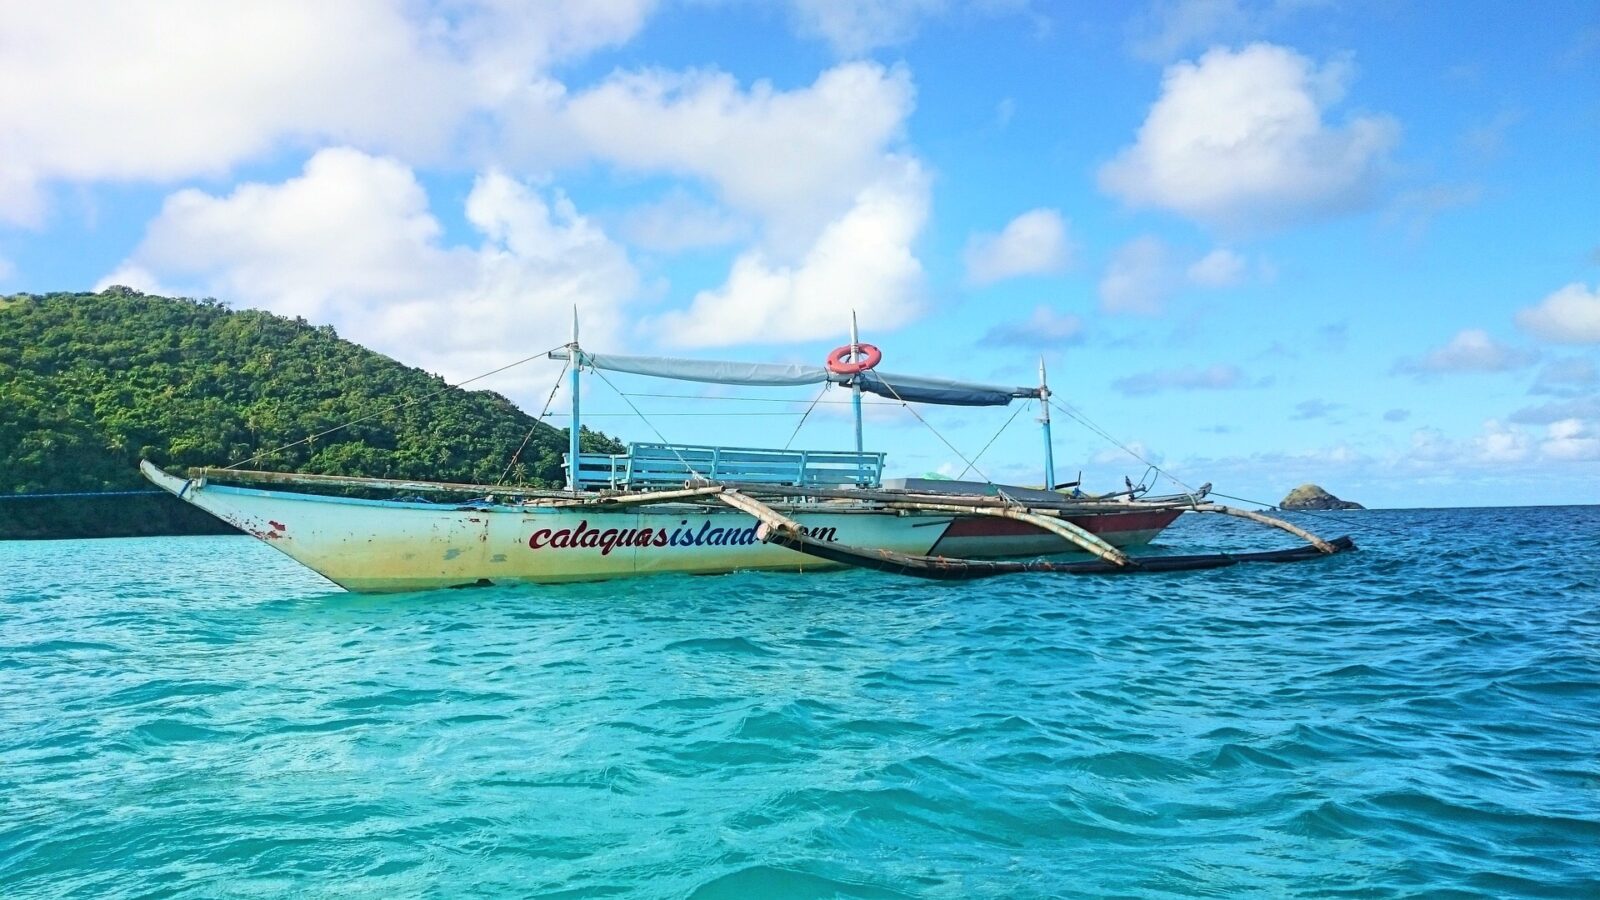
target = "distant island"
x: 92, y: 383
x: 1311, y: 496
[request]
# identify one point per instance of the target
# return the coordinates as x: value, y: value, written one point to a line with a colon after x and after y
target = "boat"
x: 702, y: 509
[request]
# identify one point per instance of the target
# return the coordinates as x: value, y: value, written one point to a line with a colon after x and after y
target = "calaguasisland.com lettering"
x: 582, y: 537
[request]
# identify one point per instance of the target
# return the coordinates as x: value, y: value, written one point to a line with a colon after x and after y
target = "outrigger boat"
x: 688, y: 508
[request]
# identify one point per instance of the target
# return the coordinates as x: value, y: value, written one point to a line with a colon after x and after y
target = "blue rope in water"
x: 79, y: 494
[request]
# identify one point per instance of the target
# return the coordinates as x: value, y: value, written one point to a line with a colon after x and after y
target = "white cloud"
x: 1568, y: 316
x: 855, y: 26
x: 1211, y: 378
x: 1238, y: 140
x: 862, y: 261
x: 1219, y: 268
x: 6, y: 268
x: 1547, y: 413
x: 1044, y: 328
x: 1139, y: 277
x: 168, y: 89
x: 679, y: 222
x: 1500, y: 443
x: 796, y: 159
x: 1172, y: 26
x: 1566, y: 378
x: 351, y: 242
x: 1034, y: 243
x: 1145, y: 272
x: 1111, y: 456
x: 1571, y: 439
x: 1471, y: 350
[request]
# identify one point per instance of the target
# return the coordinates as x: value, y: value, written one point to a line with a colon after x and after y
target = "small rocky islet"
x: 1311, y: 496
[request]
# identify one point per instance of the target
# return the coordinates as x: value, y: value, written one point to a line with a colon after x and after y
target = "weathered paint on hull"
x: 376, y: 546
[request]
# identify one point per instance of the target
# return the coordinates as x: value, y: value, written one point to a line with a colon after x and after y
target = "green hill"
x: 91, y: 383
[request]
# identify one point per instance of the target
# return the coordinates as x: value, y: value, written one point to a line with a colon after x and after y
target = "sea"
x: 201, y: 717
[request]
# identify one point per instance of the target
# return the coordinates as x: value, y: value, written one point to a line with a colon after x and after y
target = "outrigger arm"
x: 776, y: 528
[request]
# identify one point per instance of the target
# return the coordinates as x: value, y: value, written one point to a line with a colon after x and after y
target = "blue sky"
x: 1260, y: 243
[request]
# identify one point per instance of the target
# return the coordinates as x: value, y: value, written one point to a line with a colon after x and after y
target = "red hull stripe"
x: 1111, y: 523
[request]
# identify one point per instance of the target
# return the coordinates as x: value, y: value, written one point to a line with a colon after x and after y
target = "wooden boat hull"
x: 378, y: 546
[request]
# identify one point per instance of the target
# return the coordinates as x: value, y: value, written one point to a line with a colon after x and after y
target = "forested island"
x: 92, y: 383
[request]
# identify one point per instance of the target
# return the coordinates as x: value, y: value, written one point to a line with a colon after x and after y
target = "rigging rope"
x: 909, y: 408
x: 1019, y: 409
x: 448, y: 387
x: 1084, y: 421
x: 529, y: 436
x: 669, y: 445
x: 805, y: 415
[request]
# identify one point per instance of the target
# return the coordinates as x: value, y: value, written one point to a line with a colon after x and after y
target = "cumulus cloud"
x: 795, y: 159
x: 218, y: 84
x: 1171, y: 27
x: 861, y: 262
x: 1571, y: 315
x: 1219, y: 268
x: 1571, y: 439
x: 1238, y: 140
x: 856, y: 26
x: 1547, y: 413
x: 1501, y: 443
x: 1566, y: 378
x: 351, y: 241
x: 679, y: 222
x: 1043, y: 329
x: 1139, y: 277
x: 1145, y: 272
x: 1313, y: 409
x: 1034, y: 243
x: 1471, y: 350
x: 1211, y: 378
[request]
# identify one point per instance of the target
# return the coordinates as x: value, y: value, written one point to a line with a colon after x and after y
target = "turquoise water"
x: 200, y: 717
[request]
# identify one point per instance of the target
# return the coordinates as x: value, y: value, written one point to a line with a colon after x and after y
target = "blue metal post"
x: 575, y: 360
x: 1049, y: 447
x: 855, y: 384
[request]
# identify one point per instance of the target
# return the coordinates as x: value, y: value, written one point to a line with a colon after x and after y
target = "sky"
x: 1254, y: 242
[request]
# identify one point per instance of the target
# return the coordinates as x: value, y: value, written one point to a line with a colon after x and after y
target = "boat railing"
x: 660, y: 465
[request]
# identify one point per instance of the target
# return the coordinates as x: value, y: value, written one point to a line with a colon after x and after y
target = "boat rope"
x: 807, y: 414
x: 911, y: 409
x: 669, y: 445
x: 1083, y: 420
x: 542, y: 413
x: 449, y: 387
x: 1019, y: 409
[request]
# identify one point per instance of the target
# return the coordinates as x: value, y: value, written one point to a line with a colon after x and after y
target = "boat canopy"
x: 910, y: 388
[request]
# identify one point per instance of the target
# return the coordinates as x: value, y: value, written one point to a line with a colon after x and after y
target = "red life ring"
x: 840, y: 362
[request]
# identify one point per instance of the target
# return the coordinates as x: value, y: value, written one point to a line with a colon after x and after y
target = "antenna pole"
x: 855, y: 382
x: 1044, y: 420
x: 575, y: 358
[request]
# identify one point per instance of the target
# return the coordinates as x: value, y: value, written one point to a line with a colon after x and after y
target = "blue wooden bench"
x: 666, y: 465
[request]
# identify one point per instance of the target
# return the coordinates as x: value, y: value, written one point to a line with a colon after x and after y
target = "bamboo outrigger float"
x: 704, y: 509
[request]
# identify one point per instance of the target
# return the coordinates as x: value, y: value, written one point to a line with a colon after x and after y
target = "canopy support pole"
x: 574, y: 484
x: 855, y: 383
x: 1049, y: 445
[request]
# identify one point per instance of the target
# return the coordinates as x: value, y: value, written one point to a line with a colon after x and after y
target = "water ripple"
x: 1415, y: 719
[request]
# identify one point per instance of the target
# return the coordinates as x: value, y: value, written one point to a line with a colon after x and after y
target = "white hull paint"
x: 378, y: 546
